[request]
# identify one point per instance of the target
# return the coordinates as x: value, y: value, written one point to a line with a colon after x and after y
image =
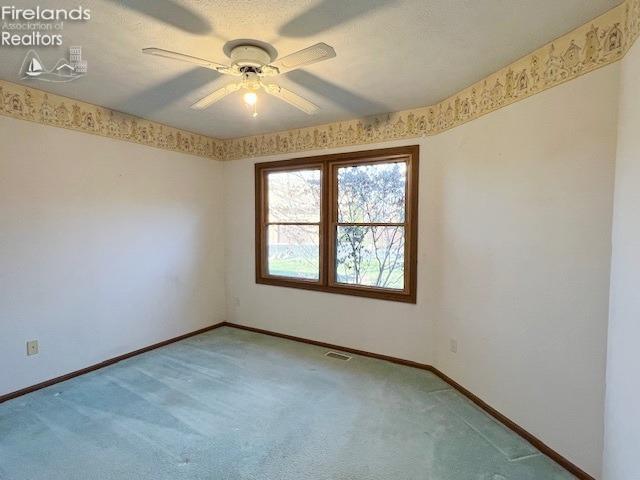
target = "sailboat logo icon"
x: 35, y: 68
x: 63, y: 71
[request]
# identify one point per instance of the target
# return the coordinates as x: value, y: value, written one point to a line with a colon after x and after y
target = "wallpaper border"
x: 25, y: 103
x: 598, y: 43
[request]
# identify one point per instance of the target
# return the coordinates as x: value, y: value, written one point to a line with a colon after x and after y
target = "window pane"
x: 294, y: 251
x: 371, y: 256
x: 372, y: 193
x: 294, y: 196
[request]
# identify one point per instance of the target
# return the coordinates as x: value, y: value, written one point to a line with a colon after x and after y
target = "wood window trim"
x: 328, y: 221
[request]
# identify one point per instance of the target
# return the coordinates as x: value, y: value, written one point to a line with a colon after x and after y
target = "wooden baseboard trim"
x: 507, y: 422
x: 105, y: 363
x: 532, y: 439
x: 400, y: 361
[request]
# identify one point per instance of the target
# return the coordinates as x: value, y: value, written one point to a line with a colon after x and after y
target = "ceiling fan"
x: 254, y: 63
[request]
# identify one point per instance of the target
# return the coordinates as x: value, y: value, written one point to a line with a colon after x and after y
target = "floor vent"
x: 339, y: 356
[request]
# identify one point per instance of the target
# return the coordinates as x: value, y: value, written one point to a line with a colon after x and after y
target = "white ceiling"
x: 391, y: 54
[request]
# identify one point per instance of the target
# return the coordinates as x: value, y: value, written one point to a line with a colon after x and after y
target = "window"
x: 344, y: 223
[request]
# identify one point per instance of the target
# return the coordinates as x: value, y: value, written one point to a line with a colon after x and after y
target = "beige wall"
x: 523, y: 259
x: 514, y: 250
x: 622, y: 417
x: 105, y: 247
x: 389, y: 328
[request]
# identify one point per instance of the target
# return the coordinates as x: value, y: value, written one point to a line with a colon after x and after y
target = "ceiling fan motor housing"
x: 249, y: 56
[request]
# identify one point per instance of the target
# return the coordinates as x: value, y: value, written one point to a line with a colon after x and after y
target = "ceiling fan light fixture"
x: 251, y: 101
x: 250, y: 98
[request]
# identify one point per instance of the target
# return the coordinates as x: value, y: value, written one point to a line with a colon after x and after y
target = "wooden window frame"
x: 328, y: 165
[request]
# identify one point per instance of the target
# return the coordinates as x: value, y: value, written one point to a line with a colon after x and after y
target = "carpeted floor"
x: 231, y: 404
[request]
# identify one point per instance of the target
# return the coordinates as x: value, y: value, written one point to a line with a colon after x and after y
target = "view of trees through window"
x: 294, y: 223
x: 370, y: 231
x: 343, y: 223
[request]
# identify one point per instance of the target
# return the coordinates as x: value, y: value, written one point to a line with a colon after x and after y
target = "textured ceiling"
x: 391, y: 54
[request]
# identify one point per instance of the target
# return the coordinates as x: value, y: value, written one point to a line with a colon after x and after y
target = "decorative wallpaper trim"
x: 18, y: 101
x: 596, y: 44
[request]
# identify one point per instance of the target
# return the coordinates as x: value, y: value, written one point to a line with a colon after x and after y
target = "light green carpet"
x: 230, y: 404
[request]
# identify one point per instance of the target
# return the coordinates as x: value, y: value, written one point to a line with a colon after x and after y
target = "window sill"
x: 366, y: 292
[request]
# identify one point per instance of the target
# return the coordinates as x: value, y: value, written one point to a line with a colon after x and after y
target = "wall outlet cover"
x: 32, y: 347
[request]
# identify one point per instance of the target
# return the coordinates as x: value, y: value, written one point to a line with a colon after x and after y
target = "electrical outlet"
x: 32, y: 347
x: 453, y: 345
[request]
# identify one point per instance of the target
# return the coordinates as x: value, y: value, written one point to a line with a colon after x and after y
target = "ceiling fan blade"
x: 216, y: 96
x: 184, y: 58
x: 328, y: 14
x: 291, y: 98
x: 171, y: 13
x: 352, y: 101
x: 306, y: 56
